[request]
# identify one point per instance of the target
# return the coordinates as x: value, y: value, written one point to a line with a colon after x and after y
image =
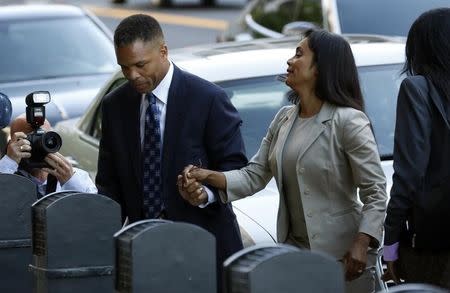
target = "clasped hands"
x: 190, y: 185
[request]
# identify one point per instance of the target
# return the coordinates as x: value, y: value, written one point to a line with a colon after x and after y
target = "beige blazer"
x: 340, y: 156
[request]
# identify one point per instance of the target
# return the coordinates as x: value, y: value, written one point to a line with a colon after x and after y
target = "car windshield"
x: 259, y: 99
x: 39, y: 49
x: 384, y: 17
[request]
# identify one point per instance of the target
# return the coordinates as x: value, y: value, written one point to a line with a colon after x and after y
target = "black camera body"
x: 42, y: 142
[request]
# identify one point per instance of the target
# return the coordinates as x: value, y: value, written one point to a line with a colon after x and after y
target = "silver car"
x: 62, y: 49
x: 247, y: 71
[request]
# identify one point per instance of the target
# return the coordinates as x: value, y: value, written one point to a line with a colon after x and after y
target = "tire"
x: 118, y: 1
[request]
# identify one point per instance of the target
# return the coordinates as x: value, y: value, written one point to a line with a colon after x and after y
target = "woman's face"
x: 301, y: 69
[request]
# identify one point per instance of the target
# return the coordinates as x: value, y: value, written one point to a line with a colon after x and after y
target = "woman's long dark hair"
x: 337, y: 79
x: 428, y: 49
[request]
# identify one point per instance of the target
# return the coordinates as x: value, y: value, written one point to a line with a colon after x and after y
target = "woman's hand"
x: 190, y: 183
x: 390, y: 273
x: 190, y: 187
x: 355, y: 259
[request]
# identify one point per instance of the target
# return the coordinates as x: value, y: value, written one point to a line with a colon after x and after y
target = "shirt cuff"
x: 8, y: 165
x: 390, y: 252
x: 211, y: 198
x: 74, y: 183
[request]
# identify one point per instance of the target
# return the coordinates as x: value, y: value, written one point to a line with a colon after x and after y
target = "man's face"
x: 144, y: 64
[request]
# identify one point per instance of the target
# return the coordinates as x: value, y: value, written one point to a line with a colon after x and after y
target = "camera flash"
x: 41, y: 98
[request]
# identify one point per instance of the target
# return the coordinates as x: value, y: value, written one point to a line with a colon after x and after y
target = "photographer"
x: 65, y: 177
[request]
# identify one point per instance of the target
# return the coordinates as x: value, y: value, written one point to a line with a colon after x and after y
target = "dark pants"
x: 418, y: 266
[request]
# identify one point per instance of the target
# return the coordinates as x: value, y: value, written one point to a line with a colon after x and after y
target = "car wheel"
x: 208, y: 3
x: 118, y: 1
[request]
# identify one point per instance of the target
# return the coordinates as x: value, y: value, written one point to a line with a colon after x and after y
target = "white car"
x: 247, y: 71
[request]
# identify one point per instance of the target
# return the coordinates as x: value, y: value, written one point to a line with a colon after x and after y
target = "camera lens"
x: 51, y: 142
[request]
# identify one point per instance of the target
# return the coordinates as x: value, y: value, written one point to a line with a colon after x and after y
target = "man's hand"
x: 60, y: 167
x: 18, y: 147
x: 190, y: 188
x: 355, y: 259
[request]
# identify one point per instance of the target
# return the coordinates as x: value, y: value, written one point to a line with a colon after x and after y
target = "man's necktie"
x: 152, y: 161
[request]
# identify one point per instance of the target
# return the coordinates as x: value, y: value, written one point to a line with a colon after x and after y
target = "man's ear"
x: 164, y: 50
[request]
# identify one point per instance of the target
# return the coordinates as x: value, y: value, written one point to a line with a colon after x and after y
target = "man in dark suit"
x: 178, y: 116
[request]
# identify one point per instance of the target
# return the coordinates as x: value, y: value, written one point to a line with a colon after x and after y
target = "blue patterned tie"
x: 152, y: 161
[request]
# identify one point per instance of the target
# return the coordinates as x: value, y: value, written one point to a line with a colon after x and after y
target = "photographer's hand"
x: 18, y: 147
x: 61, y: 168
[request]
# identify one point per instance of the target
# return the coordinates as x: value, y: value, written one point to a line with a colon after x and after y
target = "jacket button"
x: 309, y: 214
x: 315, y: 236
x: 307, y: 191
x: 302, y: 170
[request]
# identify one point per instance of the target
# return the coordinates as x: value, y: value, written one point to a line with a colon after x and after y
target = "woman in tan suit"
x: 320, y: 151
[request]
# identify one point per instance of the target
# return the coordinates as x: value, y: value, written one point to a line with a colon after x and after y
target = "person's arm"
x: 8, y: 165
x: 223, y: 144
x: 362, y: 153
x: 80, y: 181
x: 190, y: 184
x: 106, y: 180
x: 411, y: 152
x: 232, y: 184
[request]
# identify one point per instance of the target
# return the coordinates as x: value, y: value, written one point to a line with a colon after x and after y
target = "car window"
x: 380, y: 85
x: 383, y: 17
x: 39, y: 49
x: 274, y: 14
x: 257, y: 100
x: 95, y: 129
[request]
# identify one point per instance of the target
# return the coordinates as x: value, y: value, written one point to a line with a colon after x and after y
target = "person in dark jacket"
x: 417, y: 241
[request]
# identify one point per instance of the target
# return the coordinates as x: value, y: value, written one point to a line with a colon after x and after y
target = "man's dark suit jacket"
x: 421, y: 182
x: 202, y: 126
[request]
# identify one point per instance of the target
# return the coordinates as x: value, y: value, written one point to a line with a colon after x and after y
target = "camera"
x: 42, y: 142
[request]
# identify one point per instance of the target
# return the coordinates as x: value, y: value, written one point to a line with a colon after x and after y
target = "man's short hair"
x: 20, y: 124
x: 137, y: 27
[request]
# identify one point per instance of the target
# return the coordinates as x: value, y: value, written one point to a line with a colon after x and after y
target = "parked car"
x: 168, y: 3
x: 276, y: 18
x: 62, y: 49
x: 248, y: 72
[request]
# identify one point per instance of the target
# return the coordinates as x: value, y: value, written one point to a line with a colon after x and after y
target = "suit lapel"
x: 286, y: 125
x: 317, y: 128
x: 174, y: 114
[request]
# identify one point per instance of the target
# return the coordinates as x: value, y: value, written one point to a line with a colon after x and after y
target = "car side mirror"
x: 296, y: 28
